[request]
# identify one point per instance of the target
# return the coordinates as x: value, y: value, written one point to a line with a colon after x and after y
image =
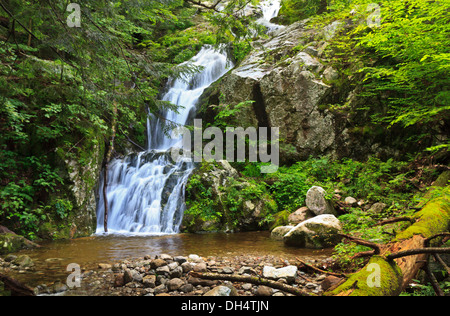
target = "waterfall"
x: 146, y: 190
x: 270, y: 10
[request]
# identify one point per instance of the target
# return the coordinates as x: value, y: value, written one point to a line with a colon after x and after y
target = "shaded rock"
x: 329, y: 282
x: 23, y: 261
x: 149, y: 281
x: 186, y: 266
x: 163, y: 270
x: 59, y: 287
x: 201, y: 282
x: 180, y: 259
x: 176, y: 273
x: 377, y: 208
x: 318, y: 232
x: 157, y: 263
x: 174, y: 284
x: 131, y: 275
x: 186, y: 288
x: 10, y: 242
x: 119, y: 280
x: 263, y: 290
x: 160, y: 289
x: 247, y: 270
x: 317, y: 203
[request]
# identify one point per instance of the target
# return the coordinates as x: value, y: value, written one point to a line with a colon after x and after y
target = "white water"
x: 145, y: 191
x: 270, y: 10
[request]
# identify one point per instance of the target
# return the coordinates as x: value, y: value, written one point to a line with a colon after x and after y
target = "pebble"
x: 156, y: 275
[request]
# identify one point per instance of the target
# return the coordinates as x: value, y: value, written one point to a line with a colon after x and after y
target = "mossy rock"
x: 11, y: 242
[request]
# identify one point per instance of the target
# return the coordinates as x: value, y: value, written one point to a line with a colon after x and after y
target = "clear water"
x: 52, y: 258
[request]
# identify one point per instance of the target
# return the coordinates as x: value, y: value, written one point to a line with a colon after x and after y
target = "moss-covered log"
x: 392, y: 276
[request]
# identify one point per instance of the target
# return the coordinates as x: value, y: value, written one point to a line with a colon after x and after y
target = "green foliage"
x: 60, y: 87
x: 241, y: 50
x: 372, y: 180
x: 401, y: 66
x: 296, y: 10
x: 219, y: 208
x: 226, y: 114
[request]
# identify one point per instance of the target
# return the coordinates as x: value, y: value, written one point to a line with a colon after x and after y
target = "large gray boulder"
x: 317, y: 233
x: 286, y: 94
x: 317, y: 203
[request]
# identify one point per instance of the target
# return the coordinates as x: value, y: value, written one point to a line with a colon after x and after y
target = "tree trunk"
x: 105, y: 169
x: 394, y: 275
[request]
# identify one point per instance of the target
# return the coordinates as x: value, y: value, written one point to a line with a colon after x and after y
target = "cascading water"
x: 145, y: 190
x: 270, y: 10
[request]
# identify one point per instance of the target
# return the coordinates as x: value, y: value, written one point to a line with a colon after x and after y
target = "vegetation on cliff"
x: 62, y: 87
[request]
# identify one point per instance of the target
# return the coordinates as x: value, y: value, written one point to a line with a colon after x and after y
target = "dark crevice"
x: 259, y: 106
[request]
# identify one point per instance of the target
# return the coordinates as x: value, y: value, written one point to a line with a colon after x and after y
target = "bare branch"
x: 396, y: 220
x: 251, y: 279
x: 412, y: 252
x: 376, y: 248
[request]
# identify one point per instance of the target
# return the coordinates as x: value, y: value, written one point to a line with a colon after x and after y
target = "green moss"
x: 434, y: 218
x: 280, y: 219
x: 362, y: 283
x: 13, y: 243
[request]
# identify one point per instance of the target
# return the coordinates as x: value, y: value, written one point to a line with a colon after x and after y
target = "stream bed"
x: 52, y: 258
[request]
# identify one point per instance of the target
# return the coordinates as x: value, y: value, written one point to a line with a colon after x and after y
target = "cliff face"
x: 288, y: 79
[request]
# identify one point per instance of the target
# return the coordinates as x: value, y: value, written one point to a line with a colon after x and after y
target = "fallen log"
x: 251, y: 279
x: 106, y: 165
x: 12, y: 287
x: 401, y: 259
